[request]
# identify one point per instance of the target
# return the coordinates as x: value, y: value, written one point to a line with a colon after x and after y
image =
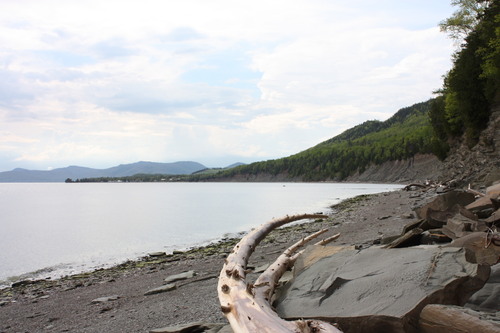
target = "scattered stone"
x: 162, y: 289
x: 36, y: 314
x: 157, y: 254
x: 195, y: 327
x: 22, y: 283
x: 105, y: 299
x: 459, y: 226
x: 407, y: 216
x: 436, y: 318
x: 76, y: 285
x: 435, y: 236
x: 106, y: 309
x: 437, y: 218
x: 488, y: 297
x: 494, y: 218
x: 479, y: 249
x: 411, y: 238
x: 203, y: 278
x: 445, y: 202
x: 412, y: 225
x: 389, y: 239
x: 179, y: 277
x: 480, y: 204
x: 385, y: 217
x: 261, y: 268
x: 380, y: 290
x: 485, y: 213
x: 442, y: 189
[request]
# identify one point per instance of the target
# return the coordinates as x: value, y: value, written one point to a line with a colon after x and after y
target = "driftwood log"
x: 436, y: 318
x: 248, y: 307
x: 470, y: 190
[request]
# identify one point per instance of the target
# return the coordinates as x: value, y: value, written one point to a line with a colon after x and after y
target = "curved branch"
x: 247, y: 313
x: 328, y: 240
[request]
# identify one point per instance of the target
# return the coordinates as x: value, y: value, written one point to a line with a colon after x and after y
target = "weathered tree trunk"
x: 247, y: 307
x: 436, y: 318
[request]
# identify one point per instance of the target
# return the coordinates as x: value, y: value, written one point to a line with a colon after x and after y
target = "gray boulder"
x: 380, y: 290
x: 479, y: 248
x: 445, y: 202
x: 162, y: 289
x: 488, y: 298
x: 179, y: 277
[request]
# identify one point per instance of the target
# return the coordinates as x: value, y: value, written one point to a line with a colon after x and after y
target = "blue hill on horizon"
x: 20, y: 175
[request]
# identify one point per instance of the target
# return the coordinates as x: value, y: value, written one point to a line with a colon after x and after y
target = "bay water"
x: 56, y: 229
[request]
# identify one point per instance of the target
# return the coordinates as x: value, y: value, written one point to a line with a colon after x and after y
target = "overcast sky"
x: 101, y: 83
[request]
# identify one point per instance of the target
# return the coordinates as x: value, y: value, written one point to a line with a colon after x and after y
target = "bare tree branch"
x: 247, y: 313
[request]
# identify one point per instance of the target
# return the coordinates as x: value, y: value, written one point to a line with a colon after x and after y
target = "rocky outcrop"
x: 442, y: 259
x: 419, y: 167
x: 478, y: 165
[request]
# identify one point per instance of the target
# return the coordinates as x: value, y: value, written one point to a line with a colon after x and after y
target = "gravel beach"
x: 114, y: 300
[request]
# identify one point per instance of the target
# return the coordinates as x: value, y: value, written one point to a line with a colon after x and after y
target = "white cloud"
x: 100, y: 83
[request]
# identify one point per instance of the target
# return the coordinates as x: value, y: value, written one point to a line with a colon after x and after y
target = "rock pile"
x: 417, y: 282
x: 480, y: 164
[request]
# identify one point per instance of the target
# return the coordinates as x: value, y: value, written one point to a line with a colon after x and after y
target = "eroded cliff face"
x: 481, y: 164
x: 416, y: 169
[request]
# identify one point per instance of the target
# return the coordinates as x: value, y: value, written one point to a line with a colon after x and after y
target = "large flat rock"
x: 377, y: 289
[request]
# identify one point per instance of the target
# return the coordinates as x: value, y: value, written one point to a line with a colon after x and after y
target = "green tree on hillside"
x: 465, y: 19
x: 471, y: 86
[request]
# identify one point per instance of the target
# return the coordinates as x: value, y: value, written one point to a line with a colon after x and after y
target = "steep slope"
x: 479, y: 165
x: 401, y: 137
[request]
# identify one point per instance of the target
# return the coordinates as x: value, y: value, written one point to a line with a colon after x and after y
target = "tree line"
x: 402, y: 136
x: 470, y: 88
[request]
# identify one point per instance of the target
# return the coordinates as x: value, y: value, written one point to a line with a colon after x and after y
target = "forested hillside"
x: 402, y: 136
x: 470, y: 88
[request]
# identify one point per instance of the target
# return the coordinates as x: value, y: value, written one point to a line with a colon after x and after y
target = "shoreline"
x: 58, y: 264
x: 38, y: 275
x: 66, y: 304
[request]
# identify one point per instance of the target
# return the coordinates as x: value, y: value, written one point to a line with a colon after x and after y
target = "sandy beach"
x: 114, y: 300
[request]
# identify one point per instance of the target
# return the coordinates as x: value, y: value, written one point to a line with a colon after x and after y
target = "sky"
x: 102, y: 83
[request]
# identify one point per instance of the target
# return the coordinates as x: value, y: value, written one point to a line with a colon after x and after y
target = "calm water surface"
x: 54, y: 229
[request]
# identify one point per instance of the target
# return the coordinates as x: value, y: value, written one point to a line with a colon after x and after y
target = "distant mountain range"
x: 77, y: 172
